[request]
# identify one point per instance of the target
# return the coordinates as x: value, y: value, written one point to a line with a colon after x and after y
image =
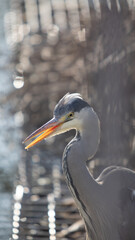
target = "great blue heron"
x: 107, y: 204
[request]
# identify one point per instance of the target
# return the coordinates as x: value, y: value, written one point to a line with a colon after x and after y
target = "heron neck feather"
x: 82, y: 185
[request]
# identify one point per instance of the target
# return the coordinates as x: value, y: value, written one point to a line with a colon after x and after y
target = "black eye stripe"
x: 76, y: 105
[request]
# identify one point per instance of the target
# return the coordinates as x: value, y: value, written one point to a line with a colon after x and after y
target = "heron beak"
x: 47, y: 130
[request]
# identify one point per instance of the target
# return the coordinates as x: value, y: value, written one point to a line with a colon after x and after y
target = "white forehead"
x: 69, y: 98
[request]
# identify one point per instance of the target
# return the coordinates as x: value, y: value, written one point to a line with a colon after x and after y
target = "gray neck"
x: 90, y: 133
x: 83, y: 187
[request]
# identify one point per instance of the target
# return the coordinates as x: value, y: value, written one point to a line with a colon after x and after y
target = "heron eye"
x: 71, y: 114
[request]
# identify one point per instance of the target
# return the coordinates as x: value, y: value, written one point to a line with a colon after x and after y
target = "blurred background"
x: 49, y: 48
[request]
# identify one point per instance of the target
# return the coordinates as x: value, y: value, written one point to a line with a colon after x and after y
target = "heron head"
x: 66, y: 117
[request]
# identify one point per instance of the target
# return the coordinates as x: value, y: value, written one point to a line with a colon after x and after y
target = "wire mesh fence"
x: 89, y: 50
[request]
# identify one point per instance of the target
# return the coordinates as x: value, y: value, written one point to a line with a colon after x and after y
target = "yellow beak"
x: 45, y: 131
